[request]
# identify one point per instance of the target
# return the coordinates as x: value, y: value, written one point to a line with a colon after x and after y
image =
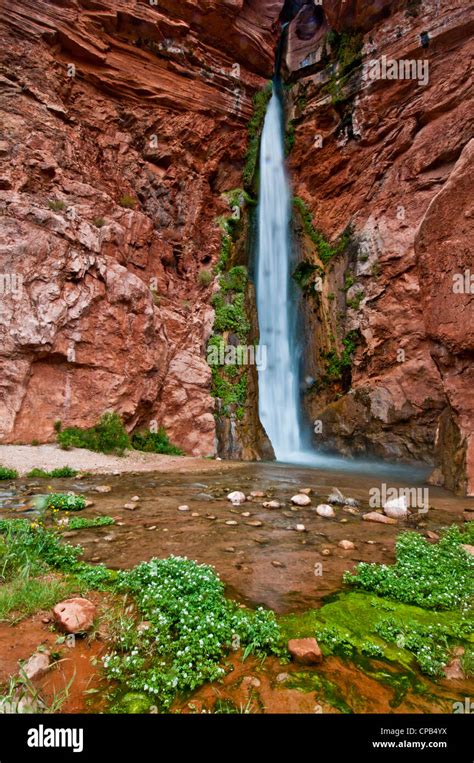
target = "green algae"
x: 315, y: 682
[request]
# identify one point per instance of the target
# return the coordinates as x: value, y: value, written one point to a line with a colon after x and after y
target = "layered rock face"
x: 123, y: 124
x: 393, y: 159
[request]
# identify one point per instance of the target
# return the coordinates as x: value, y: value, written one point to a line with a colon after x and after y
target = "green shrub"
x: 108, y: 436
x: 234, y: 279
x: 65, y: 502
x: 8, y: 474
x: 431, y: 575
x: 231, y: 316
x: 155, y: 442
x: 99, y: 222
x: 127, y: 201
x: 82, y: 523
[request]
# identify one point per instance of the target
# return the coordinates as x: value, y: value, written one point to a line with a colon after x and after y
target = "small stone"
x: 45, y: 620
x: 246, y: 514
x: 250, y: 681
x: 183, y: 507
x: 336, y: 496
x: 135, y: 498
x: 230, y: 550
x: 324, y: 510
x: 396, y: 508
x: 454, y: 670
x: 236, y: 497
x: 305, y: 651
x: 301, y: 499
x: 326, y: 552
x: 195, y: 514
x: 108, y: 538
x: 74, y: 615
x: 305, y: 490
x: 103, y: 489
x: 130, y: 506
x: 468, y: 548
x: 347, y: 545
x: 89, y: 504
x: 210, y: 516
x: 300, y: 528
x: 254, y: 523
x: 373, y: 516
x: 276, y: 563
x: 432, y: 535
x: 281, y: 677
x: 231, y: 522
x: 153, y: 527
x: 350, y: 510
x: 95, y: 559
x: 257, y: 494
x: 37, y: 665
x: 343, y: 521
x: 271, y: 505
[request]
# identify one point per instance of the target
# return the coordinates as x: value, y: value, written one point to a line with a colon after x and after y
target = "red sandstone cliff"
x: 112, y: 313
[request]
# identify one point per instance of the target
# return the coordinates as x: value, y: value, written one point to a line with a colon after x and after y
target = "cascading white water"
x: 278, y: 381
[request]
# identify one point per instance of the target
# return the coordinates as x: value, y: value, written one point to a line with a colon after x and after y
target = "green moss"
x: 260, y: 103
x: 354, y: 303
x: 305, y: 274
x: 127, y: 201
x: 357, y: 625
x: 346, y: 51
x: 326, y: 251
x: 289, y: 137
x: 338, y: 366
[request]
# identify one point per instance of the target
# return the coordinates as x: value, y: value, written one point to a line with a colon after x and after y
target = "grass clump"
x: 338, y: 365
x: 63, y: 471
x: 204, y: 277
x: 65, y: 502
x: 127, y: 201
x: 433, y: 576
x: 231, y: 316
x: 8, y: 474
x: 22, y: 596
x: 155, y: 442
x: 56, y: 205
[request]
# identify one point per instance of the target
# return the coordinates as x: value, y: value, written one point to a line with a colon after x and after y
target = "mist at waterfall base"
x: 278, y: 382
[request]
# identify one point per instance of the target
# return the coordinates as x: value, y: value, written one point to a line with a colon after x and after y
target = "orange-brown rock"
x: 123, y: 124
x: 392, y: 158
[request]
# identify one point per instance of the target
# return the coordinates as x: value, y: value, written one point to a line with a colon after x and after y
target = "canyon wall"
x: 391, y: 159
x: 125, y: 122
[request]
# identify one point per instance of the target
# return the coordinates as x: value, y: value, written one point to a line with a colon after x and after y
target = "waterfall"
x: 278, y: 382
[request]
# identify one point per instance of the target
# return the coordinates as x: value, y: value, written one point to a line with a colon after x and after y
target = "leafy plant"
x: 99, y: 222
x: 63, y: 471
x: 65, y: 502
x: 108, y: 436
x: 155, y: 442
x: 431, y: 575
x: 83, y: 523
x: 8, y: 474
x: 260, y: 103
